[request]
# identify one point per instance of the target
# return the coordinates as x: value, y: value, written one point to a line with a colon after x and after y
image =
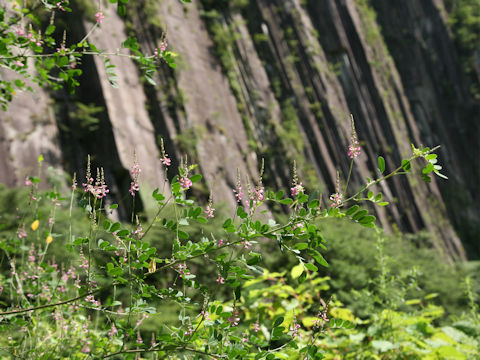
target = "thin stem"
x: 180, y: 348
x: 348, y: 177
x: 155, y: 218
x: 19, y: 311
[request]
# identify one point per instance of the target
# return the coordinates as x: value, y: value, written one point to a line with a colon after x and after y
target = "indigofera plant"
x: 118, y: 280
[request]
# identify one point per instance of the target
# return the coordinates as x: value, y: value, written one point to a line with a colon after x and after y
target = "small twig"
x: 19, y: 311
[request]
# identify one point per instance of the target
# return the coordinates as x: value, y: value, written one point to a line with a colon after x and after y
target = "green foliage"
x: 29, y: 49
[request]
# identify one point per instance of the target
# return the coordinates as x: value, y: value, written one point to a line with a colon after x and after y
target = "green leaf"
x: 113, y: 206
x: 116, y: 271
x: 62, y: 61
x: 428, y: 169
x: 313, y: 204
x: 195, y: 178
x: 115, y: 227
x: 300, y: 246
x: 378, y: 197
x: 279, y: 194
x: 426, y: 178
x: 367, y: 219
x: 320, y: 259
x: 121, y: 9
x: 278, y: 321
x: 50, y: 29
x: 360, y: 214
x: 352, y: 210
x: 370, y: 195
x: 80, y: 241
x: 286, y: 201
x: 106, y: 225
x: 123, y: 233
x: 383, y: 203
x: 311, y: 267
x: 406, y: 165
x: 296, y: 271
x: 381, y: 164
x: 183, y: 235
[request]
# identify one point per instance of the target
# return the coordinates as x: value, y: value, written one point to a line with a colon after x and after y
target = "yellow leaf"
x: 49, y: 239
x: 34, y: 225
x: 296, y: 271
x: 152, y: 266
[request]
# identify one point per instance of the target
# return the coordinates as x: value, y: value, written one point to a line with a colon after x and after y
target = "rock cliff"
x: 277, y: 80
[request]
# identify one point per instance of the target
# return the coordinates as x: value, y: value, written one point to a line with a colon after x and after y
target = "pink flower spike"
x: 256, y: 327
x: 185, y: 182
x: 99, y: 17
x: 354, y: 150
x: 209, y: 211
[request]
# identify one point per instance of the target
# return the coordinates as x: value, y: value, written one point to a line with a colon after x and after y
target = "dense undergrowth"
x: 382, y: 296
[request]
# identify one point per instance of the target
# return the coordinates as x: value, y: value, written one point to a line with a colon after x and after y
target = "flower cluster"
x: 166, y: 161
x: 209, y: 208
x: 354, y: 149
x: 99, y: 17
x: 336, y: 199
x: 135, y: 172
x: 99, y: 189
x: 182, y: 269
x: 185, y: 182
x: 161, y: 49
x: 238, y: 191
x: 234, y: 320
x: 296, y: 189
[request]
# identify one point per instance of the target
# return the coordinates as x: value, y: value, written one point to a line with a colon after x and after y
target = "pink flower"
x: 186, y: 183
x: 336, y: 199
x: 113, y: 331
x: 21, y: 233
x: 256, y: 327
x: 139, y: 231
x: 20, y: 31
x: 209, y: 211
x: 246, y: 244
x: 238, y: 193
x: 166, y: 160
x: 62, y: 50
x: 220, y: 242
x: 163, y: 46
x: 59, y: 5
x: 99, y: 17
x: 28, y: 182
x: 234, y: 319
x: 244, y: 337
x: 220, y: 280
x: 19, y: 63
x: 354, y: 150
x: 133, y: 187
x: 296, y: 189
x: 294, y: 328
x: 258, y: 195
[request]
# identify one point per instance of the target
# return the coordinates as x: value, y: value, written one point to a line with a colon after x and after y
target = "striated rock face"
x: 27, y: 129
x: 277, y: 80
